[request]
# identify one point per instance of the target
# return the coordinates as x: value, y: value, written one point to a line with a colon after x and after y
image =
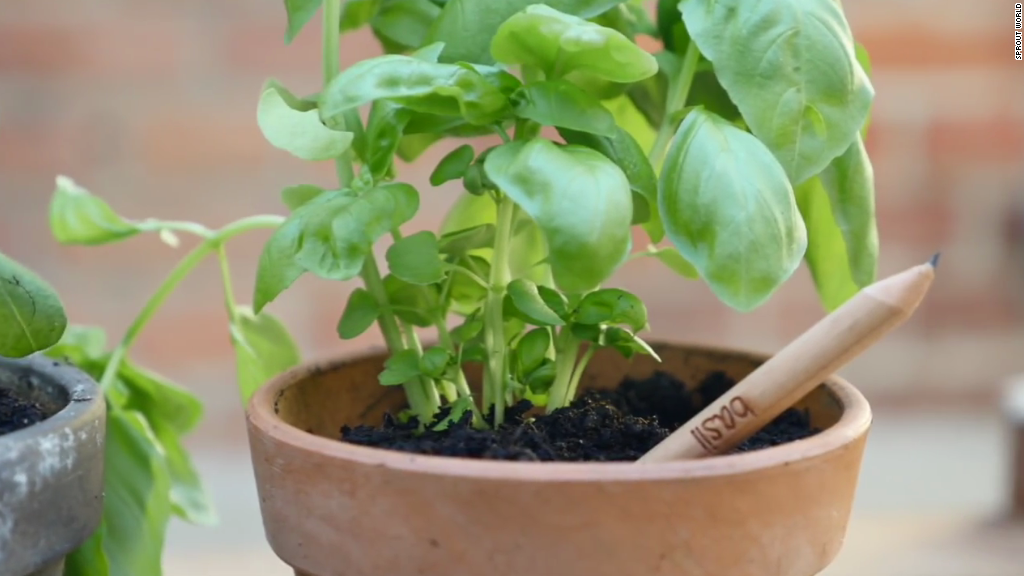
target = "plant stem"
x: 679, y: 91
x: 494, y: 318
x: 567, y: 347
x: 578, y: 373
x: 180, y: 272
x: 422, y: 396
x: 421, y: 393
x: 229, y: 291
x: 332, y: 65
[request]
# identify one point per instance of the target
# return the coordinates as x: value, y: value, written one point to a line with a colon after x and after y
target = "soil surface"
x: 614, y: 425
x: 16, y: 414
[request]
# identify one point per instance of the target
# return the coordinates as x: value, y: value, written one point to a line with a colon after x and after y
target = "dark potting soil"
x: 16, y: 414
x: 611, y: 425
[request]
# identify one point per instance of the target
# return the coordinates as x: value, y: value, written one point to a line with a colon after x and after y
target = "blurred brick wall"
x: 151, y: 104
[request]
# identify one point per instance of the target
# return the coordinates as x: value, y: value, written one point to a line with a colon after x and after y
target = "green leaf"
x: 729, y: 209
x: 457, y: 410
x: 80, y: 345
x: 627, y: 154
x: 465, y: 293
x: 360, y: 313
x: 384, y: 129
x: 466, y: 240
x: 532, y: 350
x: 79, y: 217
x: 467, y: 26
x: 405, y: 23
x: 136, y: 502
x: 540, y: 380
x: 791, y: 67
x: 468, y: 330
x: 558, y: 44
x: 559, y: 103
x: 357, y: 13
x: 670, y: 26
x: 171, y: 412
x: 263, y: 349
x: 527, y: 300
x: 850, y: 183
x: 527, y: 246
x: 331, y: 236
x: 414, y: 303
x: 300, y: 12
x: 295, y: 196
x: 31, y: 313
x: 580, y: 200
x: 293, y: 126
x: 826, y: 255
x: 612, y: 306
x: 865, y: 62
x: 89, y: 559
x: 416, y: 259
x: 400, y: 368
x: 627, y: 343
x: 453, y: 166
x: 554, y: 300
x: 445, y: 89
x: 675, y: 261
x: 434, y: 361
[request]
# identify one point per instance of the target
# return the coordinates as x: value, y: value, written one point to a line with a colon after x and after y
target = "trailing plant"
x: 149, y: 475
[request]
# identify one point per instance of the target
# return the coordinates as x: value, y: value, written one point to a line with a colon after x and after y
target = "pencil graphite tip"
x: 935, y: 260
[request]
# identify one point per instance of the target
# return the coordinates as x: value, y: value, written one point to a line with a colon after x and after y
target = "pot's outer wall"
x: 334, y: 509
x: 51, y: 474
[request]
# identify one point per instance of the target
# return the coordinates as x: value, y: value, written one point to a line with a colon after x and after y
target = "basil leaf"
x: 445, y: 89
x: 728, y: 208
x: 295, y: 196
x: 31, y: 313
x: 400, y: 368
x: 360, y: 313
x: 330, y: 236
x: 627, y: 154
x: 468, y: 26
x: 558, y: 44
x: 826, y: 256
x: 526, y: 298
x: 612, y: 306
x: 559, y: 103
x: 453, y: 166
x: 849, y: 181
x: 579, y: 199
x: 294, y: 126
x: 300, y: 12
x: 416, y: 259
x: 79, y: 217
x: 791, y: 67
x: 405, y: 23
x: 263, y: 349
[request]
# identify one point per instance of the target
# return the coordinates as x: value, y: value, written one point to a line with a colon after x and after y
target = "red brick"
x: 989, y: 308
x: 996, y: 140
x: 106, y: 49
x: 916, y: 224
x: 202, y: 139
x: 257, y: 47
x: 917, y: 47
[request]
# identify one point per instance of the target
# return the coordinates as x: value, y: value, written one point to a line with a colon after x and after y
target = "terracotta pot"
x: 51, y: 473
x: 336, y: 509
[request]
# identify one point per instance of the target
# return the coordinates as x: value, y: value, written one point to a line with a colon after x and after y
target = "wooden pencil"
x: 798, y: 368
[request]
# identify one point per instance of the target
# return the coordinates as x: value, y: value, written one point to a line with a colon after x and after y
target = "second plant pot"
x: 51, y: 473
x: 336, y: 509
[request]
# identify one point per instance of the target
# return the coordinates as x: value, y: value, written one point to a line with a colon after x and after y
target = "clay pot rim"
x: 853, y: 423
x: 85, y: 400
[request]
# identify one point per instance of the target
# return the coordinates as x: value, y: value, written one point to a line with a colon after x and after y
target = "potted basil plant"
x: 505, y: 443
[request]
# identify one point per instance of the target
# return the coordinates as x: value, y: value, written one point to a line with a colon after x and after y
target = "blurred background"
x: 151, y: 104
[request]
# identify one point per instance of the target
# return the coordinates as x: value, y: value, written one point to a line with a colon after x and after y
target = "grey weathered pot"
x: 51, y: 473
